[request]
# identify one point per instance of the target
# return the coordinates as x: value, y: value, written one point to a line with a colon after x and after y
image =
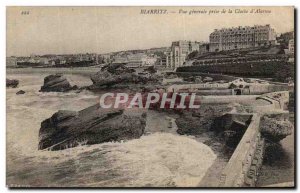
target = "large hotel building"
x: 241, y: 37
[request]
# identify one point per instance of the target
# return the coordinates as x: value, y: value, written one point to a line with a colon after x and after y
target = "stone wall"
x: 243, y: 167
x: 214, y: 88
x: 244, y: 163
x: 216, y: 77
x: 195, y: 87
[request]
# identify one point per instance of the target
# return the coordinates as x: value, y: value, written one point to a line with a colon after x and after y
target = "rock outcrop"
x: 198, y: 121
x: 151, y: 70
x: 57, y: 83
x: 232, y: 126
x: 12, y: 83
x: 115, y: 75
x: 20, y: 92
x: 93, y: 125
x: 275, y: 129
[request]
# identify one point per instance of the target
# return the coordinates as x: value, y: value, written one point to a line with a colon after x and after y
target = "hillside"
x: 237, y: 53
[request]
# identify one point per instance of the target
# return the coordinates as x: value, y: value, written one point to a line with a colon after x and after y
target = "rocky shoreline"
x: 57, y: 83
x: 192, y: 122
x: 118, y: 76
x: 200, y: 125
x: 12, y: 83
x: 93, y: 125
x: 210, y: 125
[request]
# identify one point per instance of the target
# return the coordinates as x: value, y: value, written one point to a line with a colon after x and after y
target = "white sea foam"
x: 159, y: 159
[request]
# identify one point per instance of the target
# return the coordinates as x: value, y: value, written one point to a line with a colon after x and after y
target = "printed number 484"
x: 25, y: 13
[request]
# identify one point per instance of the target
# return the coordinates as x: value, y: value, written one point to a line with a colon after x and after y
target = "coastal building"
x: 176, y: 57
x: 120, y: 59
x: 291, y: 46
x: 44, y: 61
x: 34, y: 60
x: 140, y: 60
x: 291, y: 50
x: 165, y: 58
x: 135, y: 60
x: 86, y: 57
x: 149, y: 61
x: 11, y: 61
x: 241, y: 37
x: 106, y: 58
x: 54, y: 62
x: 204, y: 48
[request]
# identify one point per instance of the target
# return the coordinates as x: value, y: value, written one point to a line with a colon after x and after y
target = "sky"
x: 67, y: 30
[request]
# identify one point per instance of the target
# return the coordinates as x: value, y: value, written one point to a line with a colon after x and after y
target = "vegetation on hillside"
x: 279, y: 71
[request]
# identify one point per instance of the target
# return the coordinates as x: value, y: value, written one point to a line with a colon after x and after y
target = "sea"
x: 160, y: 158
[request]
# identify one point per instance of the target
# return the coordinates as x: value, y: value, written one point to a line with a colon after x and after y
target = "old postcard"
x: 150, y: 97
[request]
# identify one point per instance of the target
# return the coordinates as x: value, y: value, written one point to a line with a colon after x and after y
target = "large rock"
x: 20, y: 92
x: 275, y: 128
x: 151, y: 70
x: 232, y: 127
x: 56, y: 83
x: 199, y: 121
x: 12, y: 83
x: 115, y: 75
x: 92, y: 125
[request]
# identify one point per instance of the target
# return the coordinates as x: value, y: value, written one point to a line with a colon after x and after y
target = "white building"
x: 291, y: 46
x: 179, y: 51
x: 241, y: 37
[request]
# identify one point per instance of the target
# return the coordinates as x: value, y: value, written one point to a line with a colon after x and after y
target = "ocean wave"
x: 159, y: 160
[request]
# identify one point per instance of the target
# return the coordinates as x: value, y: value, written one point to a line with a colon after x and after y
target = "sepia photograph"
x: 150, y: 97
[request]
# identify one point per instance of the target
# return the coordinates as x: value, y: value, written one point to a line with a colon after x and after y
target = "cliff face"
x: 93, y: 125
